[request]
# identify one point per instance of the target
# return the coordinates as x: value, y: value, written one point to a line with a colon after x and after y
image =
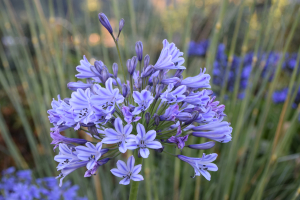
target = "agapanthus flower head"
x: 144, y: 111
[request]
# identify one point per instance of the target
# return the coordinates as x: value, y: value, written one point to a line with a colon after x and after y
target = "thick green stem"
x: 135, y: 184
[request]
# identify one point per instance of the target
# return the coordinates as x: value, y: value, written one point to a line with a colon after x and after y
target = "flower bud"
x: 178, y: 72
x: 159, y: 150
x: 161, y: 75
x: 147, y: 116
x: 148, y: 72
x: 139, y: 82
x: 93, y: 130
x: 156, y: 120
x: 131, y: 65
x: 78, y: 85
x: 203, y: 146
x: 125, y: 90
x: 115, y: 69
x: 139, y: 50
x: 104, y: 75
x: 155, y: 81
x: 159, y: 89
x: 97, y: 68
x: 105, y: 22
x: 146, y: 61
x: 121, y: 24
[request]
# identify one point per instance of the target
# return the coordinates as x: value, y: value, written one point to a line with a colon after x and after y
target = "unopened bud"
x: 105, y: 22
x: 125, y: 90
x: 139, y: 50
x: 146, y: 61
x: 156, y: 120
x: 115, y: 70
x: 203, y: 146
x: 147, y: 116
x: 148, y: 72
x: 121, y: 25
x: 131, y: 65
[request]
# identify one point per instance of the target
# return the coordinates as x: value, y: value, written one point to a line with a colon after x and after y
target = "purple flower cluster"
x: 20, y: 185
x: 148, y: 110
x: 267, y: 61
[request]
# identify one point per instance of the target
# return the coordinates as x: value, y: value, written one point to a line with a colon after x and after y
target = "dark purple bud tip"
x: 115, y: 70
x: 139, y: 50
x: 125, y: 90
x: 147, y: 116
x: 160, y: 150
x: 105, y: 22
x: 156, y: 120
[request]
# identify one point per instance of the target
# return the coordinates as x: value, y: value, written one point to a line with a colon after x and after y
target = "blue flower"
x: 143, y: 99
x: 58, y: 138
x: 66, y: 156
x: 128, y: 116
x: 106, y: 97
x: 179, y: 141
x: 120, y: 135
x: 174, y: 96
x: 200, y: 81
x: 218, y: 131
x: 69, y: 169
x: 170, y: 113
x: 90, y: 153
x: 201, y: 165
x: 143, y: 141
x: 80, y: 102
x: 170, y: 57
x: 280, y: 95
x: 85, y: 71
x: 128, y: 172
x: 93, y: 171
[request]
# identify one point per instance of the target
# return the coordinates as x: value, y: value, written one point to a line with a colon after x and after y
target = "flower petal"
x: 137, y: 177
x: 110, y: 140
x: 125, y: 181
x: 118, y: 125
x: 117, y: 172
x: 144, y: 152
x: 137, y: 169
x: 127, y: 129
x: 122, y: 147
x: 121, y: 165
x: 154, y: 145
x: 150, y: 135
x: 141, y: 130
x: 130, y: 163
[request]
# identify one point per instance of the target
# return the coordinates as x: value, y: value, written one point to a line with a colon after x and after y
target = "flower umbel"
x: 152, y: 106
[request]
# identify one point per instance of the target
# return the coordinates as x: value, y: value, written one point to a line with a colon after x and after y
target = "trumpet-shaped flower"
x: 143, y: 99
x: 143, y: 141
x: 90, y: 153
x: 106, y: 97
x: 202, y: 165
x: 120, y: 135
x: 128, y: 172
